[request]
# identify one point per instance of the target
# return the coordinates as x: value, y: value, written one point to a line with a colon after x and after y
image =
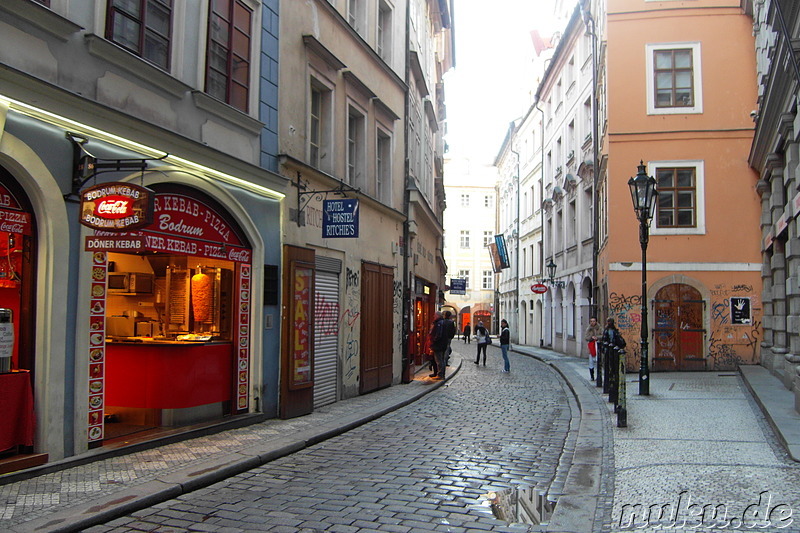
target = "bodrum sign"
x: 117, y: 206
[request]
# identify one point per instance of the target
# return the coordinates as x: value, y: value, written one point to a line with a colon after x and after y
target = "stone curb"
x: 576, y: 507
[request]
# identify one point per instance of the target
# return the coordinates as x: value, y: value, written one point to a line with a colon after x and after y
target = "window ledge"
x: 105, y: 49
x: 41, y: 17
x: 229, y: 113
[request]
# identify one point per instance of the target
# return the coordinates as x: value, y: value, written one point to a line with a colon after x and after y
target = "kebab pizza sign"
x: 117, y: 207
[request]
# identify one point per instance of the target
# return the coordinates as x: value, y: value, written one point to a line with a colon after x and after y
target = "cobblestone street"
x: 422, y: 468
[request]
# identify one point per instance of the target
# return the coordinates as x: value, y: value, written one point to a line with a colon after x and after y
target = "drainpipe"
x: 589, y: 20
x: 407, y: 285
x: 519, y: 236
x: 541, y: 210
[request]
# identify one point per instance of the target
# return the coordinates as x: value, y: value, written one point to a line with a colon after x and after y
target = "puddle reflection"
x: 522, y: 505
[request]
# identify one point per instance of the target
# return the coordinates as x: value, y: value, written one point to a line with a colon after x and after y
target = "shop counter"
x: 168, y: 374
x: 18, y: 420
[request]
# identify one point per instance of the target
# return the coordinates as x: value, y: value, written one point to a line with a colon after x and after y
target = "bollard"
x: 613, y: 385
x: 606, y: 367
x: 599, y: 364
x: 622, y: 394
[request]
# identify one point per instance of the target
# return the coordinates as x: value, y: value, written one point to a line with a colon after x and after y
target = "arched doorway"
x: 678, y: 331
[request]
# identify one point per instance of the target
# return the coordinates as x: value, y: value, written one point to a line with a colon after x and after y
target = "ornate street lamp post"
x: 643, y: 194
x: 550, y: 267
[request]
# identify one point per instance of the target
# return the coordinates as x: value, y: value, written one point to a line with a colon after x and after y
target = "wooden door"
x: 678, y: 333
x: 377, y: 335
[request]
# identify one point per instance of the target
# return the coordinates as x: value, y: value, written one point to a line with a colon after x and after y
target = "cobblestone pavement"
x: 700, y: 440
x: 425, y: 467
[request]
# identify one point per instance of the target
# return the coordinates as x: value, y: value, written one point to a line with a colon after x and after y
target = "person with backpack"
x: 439, y: 344
x: 483, y: 341
x: 449, y: 332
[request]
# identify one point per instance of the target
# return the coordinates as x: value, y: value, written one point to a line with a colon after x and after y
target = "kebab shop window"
x: 169, y: 297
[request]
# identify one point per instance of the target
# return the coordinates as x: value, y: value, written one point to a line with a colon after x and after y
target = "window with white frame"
x: 355, y: 14
x: 680, y: 203
x: 464, y: 274
x: 383, y: 166
x: 487, y: 281
x: 464, y: 242
x: 319, y: 125
x: 383, y: 43
x: 674, y: 79
x: 465, y: 200
x: 355, y: 147
x: 488, y: 238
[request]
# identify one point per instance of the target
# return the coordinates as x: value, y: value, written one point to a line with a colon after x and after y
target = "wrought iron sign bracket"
x: 87, y: 166
x: 304, y: 196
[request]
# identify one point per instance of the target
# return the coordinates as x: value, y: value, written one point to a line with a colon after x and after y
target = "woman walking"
x: 505, y: 344
x: 483, y: 337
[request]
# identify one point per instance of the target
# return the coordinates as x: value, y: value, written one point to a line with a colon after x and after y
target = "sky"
x: 486, y: 91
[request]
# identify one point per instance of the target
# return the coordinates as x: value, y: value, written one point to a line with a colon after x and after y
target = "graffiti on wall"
x: 351, y: 337
x: 730, y: 341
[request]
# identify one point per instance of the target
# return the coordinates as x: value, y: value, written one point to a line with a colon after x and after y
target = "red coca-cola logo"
x: 114, y: 207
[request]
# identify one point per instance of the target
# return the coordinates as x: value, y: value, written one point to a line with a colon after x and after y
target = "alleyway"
x: 416, y: 469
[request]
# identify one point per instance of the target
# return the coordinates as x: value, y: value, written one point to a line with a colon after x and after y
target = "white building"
x: 565, y: 96
x: 470, y: 219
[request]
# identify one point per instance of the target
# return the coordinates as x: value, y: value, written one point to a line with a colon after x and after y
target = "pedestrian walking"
x: 505, y: 344
x: 594, y: 333
x: 482, y: 337
x: 438, y: 346
x: 467, y: 333
x: 612, y: 336
x: 449, y: 333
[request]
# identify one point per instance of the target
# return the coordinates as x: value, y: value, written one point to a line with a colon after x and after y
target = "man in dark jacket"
x: 439, y: 342
x: 450, y: 333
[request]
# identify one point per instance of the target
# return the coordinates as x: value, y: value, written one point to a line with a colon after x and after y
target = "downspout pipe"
x: 517, y: 239
x: 541, y: 210
x: 591, y: 29
x: 407, y: 285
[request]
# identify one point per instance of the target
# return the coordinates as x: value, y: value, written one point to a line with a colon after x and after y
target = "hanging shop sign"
x: 116, y: 207
x: 458, y: 286
x: 539, y: 288
x: 181, y: 225
x: 495, y: 257
x: 340, y: 218
x: 500, y: 241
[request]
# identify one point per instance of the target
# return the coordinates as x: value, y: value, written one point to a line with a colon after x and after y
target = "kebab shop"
x: 169, y: 310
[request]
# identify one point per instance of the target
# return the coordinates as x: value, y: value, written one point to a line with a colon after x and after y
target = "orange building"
x: 681, y: 83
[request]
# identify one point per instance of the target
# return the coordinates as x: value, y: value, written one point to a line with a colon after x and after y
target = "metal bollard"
x: 622, y: 393
x: 606, y: 366
x: 613, y: 375
x: 599, y: 364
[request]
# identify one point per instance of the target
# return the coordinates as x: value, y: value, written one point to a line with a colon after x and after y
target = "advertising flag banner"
x: 502, y: 251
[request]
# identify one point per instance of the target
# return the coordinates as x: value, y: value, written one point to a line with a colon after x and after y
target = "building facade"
x: 565, y: 97
x: 670, y: 106
x: 360, y: 97
x: 471, y: 215
x: 144, y: 221
x: 774, y: 155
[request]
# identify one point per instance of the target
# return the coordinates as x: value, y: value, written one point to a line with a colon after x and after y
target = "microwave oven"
x: 131, y: 282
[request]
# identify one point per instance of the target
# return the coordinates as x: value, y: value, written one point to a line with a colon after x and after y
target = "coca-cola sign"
x: 117, y: 207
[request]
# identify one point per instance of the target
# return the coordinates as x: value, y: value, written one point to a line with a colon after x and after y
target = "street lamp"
x: 551, y: 270
x: 550, y: 267
x: 643, y: 194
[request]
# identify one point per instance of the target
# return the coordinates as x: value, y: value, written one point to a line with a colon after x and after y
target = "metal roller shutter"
x: 326, y: 331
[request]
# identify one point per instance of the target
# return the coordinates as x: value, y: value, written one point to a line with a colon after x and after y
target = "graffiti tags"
x: 720, y: 311
x: 352, y: 278
x: 326, y: 315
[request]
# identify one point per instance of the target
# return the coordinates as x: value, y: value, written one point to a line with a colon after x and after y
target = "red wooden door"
x: 678, y: 333
x: 377, y: 336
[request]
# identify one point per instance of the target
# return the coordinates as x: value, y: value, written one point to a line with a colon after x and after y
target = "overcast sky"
x: 486, y: 90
